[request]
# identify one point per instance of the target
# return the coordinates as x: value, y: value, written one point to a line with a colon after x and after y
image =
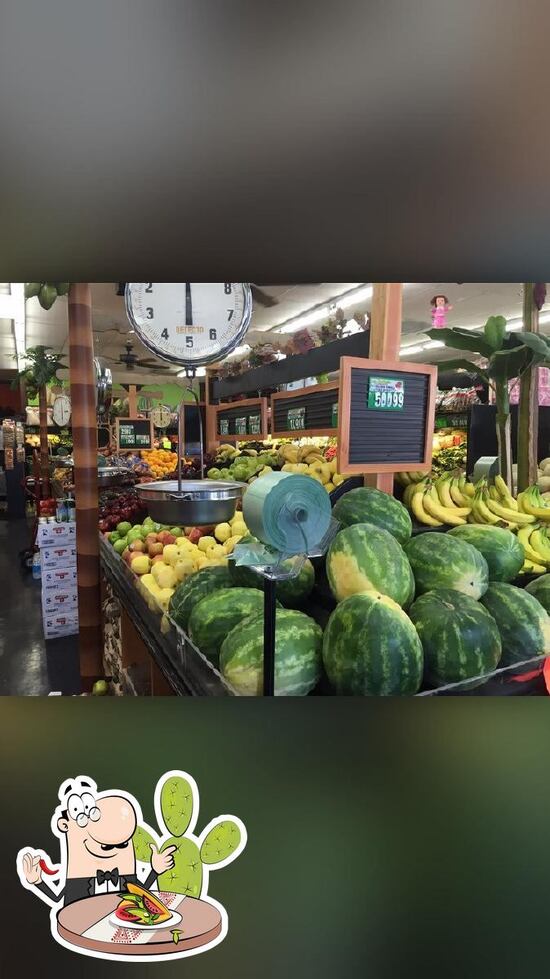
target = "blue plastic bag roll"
x: 288, y: 512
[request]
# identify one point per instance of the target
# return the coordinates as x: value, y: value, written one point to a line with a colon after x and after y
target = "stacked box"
x: 57, y: 543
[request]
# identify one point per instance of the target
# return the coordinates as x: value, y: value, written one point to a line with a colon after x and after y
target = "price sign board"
x: 296, y: 419
x: 224, y: 426
x: 244, y: 420
x: 240, y: 426
x: 134, y: 434
x: 386, y: 394
x: 254, y: 425
x: 386, y: 413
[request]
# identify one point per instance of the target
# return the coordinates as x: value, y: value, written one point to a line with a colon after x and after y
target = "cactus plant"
x: 142, y: 841
x: 222, y: 840
x: 176, y: 802
x: 186, y: 874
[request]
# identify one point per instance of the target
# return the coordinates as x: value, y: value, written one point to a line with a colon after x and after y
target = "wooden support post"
x: 211, y: 417
x: 385, y: 342
x: 132, y: 401
x: 528, y: 409
x: 86, y: 486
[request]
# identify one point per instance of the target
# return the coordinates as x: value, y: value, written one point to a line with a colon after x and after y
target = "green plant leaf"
x: 507, y: 364
x: 462, y: 340
x: 536, y: 342
x: 462, y: 365
x: 495, y: 331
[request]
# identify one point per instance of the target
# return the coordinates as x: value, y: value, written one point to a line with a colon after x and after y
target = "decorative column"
x: 84, y: 430
x: 385, y: 342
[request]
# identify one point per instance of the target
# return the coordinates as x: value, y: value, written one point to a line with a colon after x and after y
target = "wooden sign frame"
x: 347, y: 364
x: 223, y: 407
x: 303, y: 393
x: 126, y: 421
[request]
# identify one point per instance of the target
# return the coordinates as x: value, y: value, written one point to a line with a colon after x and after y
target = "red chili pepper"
x: 47, y: 870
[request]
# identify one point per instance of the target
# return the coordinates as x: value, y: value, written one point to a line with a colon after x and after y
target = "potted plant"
x: 506, y: 356
x: 40, y: 370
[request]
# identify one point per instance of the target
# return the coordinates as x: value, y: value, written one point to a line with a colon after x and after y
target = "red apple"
x: 154, y: 548
x: 137, y: 545
x: 166, y: 538
x: 157, y: 558
x: 127, y: 556
x: 151, y: 539
x: 195, y: 535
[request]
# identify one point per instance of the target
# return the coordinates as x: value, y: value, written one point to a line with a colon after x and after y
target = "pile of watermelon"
x: 410, y: 612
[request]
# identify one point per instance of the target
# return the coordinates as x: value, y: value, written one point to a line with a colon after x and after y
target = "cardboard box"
x: 60, y: 624
x: 57, y: 579
x: 59, y: 601
x: 52, y: 534
x: 62, y: 556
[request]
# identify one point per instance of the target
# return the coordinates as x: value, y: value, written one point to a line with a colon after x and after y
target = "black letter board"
x: 244, y: 421
x: 134, y: 434
x: 386, y: 416
x: 311, y: 411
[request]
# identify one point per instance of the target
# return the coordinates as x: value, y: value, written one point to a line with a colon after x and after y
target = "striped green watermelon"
x: 291, y: 592
x: 442, y: 561
x: 540, y: 588
x: 500, y: 548
x: 366, y: 558
x: 368, y: 505
x: 371, y: 648
x: 194, y: 589
x: 298, y: 641
x: 523, y: 623
x: 459, y: 638
x: 217, y: 614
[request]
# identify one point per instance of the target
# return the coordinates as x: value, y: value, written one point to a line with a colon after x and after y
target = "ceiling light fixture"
x: 320, y: 313
x: 410, y: 350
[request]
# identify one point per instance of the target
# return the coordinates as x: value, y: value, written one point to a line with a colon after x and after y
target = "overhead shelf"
x: 321, y: 360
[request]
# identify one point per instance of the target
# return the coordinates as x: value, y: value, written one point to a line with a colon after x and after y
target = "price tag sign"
x: 240, y: 426
x: 224, y: 426
x: 254, y: 425
x: 296, y: 419
x: 386, y: 394
x: 334, y: 421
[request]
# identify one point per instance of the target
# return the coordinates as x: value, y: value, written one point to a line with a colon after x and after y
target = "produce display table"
x: 85, y: 924
x: 185, y: 669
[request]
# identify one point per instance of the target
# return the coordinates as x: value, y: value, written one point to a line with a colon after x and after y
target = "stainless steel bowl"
x: 109, y: 476
x: 201, y: 502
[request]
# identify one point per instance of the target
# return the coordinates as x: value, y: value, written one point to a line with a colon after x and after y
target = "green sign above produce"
x: 224, y: 426
x: 335, y: 415
x: 386, y: 394
x: 254, y: 425
x: 296, y: 419
x: 134, y: 434
x: 240, y: 426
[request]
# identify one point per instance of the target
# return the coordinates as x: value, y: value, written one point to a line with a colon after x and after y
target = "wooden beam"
x: 528, y: 409
x: 132, y: 401
x: 212, y: 440
x: 385, y: 342
x: 84, y: 431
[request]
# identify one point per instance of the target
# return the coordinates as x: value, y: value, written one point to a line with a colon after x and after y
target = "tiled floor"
x: 29, y: 666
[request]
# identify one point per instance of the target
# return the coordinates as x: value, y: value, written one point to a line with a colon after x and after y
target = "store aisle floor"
x: 28, y: 664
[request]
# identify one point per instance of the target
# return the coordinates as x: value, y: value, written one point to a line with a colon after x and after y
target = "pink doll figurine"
x: 440, y: 308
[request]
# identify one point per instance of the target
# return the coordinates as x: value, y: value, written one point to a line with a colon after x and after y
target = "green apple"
x: 100, y: 688
x: 114, y: 536
x: 121, y: 545
x: 133, y: 534
x: 123, y: 528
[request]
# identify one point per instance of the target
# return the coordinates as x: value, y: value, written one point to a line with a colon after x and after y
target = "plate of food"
x: 139, y: 908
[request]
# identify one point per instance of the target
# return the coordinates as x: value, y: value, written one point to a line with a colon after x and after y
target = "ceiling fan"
x: 130, y: 361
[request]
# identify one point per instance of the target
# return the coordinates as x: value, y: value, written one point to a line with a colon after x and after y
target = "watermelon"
x: 298, y: 642
x: 194, y: 589
x: 523, y: 623
x: 371, y: 648
x: 367, y: 558
x: 368, y: 505
x: 442, y: 561
x: 540, y: 588
x: 500, y: 548
x: 291, y: 592
x: 217, y: 614
x: 459, y: 638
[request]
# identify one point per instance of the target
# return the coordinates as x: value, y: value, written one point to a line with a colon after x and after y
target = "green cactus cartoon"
x: 220, y: 842
x: 176, y: 802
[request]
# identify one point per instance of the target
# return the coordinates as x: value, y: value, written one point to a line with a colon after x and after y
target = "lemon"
x: 206, y: 542
x: 222, y: 532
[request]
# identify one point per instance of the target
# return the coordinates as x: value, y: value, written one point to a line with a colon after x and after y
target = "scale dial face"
x: 160, y: 416
x: 189, y: 323
x: 61, y: 411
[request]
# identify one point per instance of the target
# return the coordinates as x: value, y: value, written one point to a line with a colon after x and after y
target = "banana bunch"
x: 227, y: 454
x: 408, y: 479
x: 535, y: 540
x: 496, y: 505
x: 444, y: 502
x: 296, y: 454
x: 531, y: 502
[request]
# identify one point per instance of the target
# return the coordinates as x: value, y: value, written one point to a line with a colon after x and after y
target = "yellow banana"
x: 403, y: 479
x: 457, y: 496
x: 467, y: 488
x: 481, y: 509
x: 530, y: 568
x: 493, y: 494
x: 540, y: 544
x: 532, y: 504
x: 504, y: 493
x: 524, y: 537
x: 444, y: 493
x: 410, y: 491
x: 511, y: 515
x: 417, y: 507
x: 454, y: 517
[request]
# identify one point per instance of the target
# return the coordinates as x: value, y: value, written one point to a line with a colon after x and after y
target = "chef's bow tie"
x: 103, y: 875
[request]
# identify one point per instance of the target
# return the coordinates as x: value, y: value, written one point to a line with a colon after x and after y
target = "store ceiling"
x: 472, y: 304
